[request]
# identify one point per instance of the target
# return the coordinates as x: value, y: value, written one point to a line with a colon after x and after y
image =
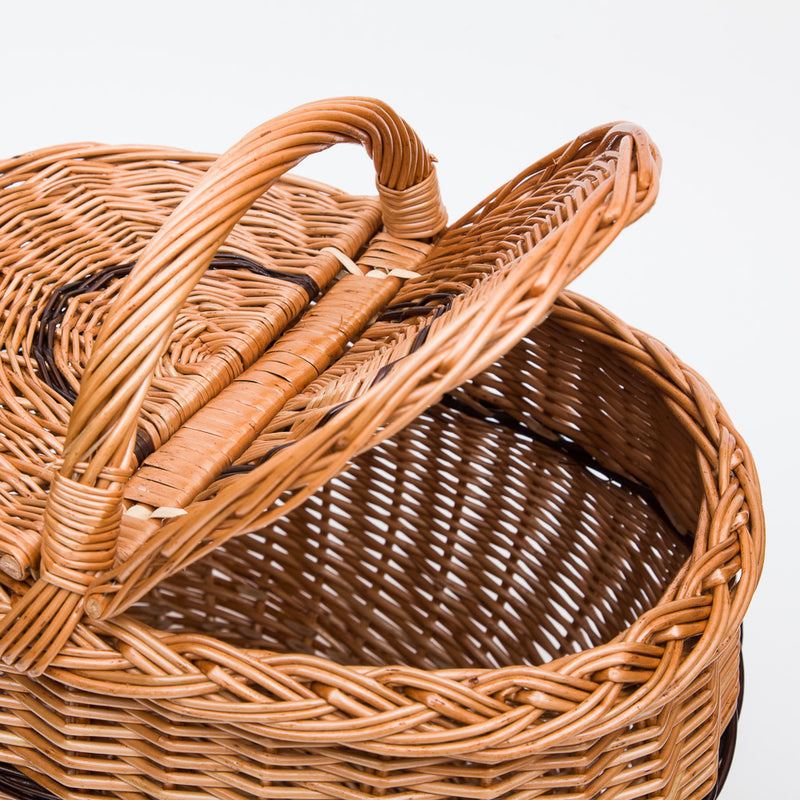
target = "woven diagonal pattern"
x: 235, y: 311
x: 310, y: 496
x: 279, y: 588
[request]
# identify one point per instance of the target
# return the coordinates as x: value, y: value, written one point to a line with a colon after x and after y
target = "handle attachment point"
x: 416, y: 212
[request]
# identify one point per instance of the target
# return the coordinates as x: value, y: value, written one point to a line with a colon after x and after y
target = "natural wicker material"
x: 375, y: 528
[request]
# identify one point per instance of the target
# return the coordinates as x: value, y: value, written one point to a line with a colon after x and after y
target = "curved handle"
x: 82, y: 516
x: 98, y: 447
x: 128, y: 346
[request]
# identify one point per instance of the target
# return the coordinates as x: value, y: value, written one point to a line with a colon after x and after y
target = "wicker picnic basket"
x: 309, y: 495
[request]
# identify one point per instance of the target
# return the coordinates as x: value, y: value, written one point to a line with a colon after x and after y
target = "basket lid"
x: 389, y: 311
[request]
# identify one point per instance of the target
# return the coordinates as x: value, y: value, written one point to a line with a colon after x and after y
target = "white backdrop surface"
x: 492, y: 86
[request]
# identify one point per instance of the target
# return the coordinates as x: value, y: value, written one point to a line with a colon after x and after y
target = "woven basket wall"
x: 306, y: 495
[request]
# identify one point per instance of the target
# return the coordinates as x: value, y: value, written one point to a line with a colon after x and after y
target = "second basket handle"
x: 82, y: 517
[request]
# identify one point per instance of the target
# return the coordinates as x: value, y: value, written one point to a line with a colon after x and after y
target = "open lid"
x: 419, y: 311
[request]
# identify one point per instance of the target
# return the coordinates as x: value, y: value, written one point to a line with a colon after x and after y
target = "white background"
x: 492, y: 86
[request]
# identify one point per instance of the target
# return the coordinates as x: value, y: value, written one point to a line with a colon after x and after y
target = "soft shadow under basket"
x: 308, y: 495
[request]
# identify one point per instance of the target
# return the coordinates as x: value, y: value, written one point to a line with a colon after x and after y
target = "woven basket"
x: 306, y: 495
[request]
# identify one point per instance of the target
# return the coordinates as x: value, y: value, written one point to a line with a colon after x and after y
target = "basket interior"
x: 536, y: 511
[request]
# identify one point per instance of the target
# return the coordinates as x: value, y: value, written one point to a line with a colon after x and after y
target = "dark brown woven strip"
x: 143, y: 445
x: 727, y: 742
x: 403, y: 311
x: 567, y: 447
x: 53, y: 311
x: 421, y: 336
x: 44, y: 344
x: 490, y: 413
x: 18, y: 786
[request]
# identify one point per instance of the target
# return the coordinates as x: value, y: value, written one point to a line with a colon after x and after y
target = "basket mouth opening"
x: 521, y: 519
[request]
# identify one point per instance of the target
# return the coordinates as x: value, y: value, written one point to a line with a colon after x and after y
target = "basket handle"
x: 84, y: 507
